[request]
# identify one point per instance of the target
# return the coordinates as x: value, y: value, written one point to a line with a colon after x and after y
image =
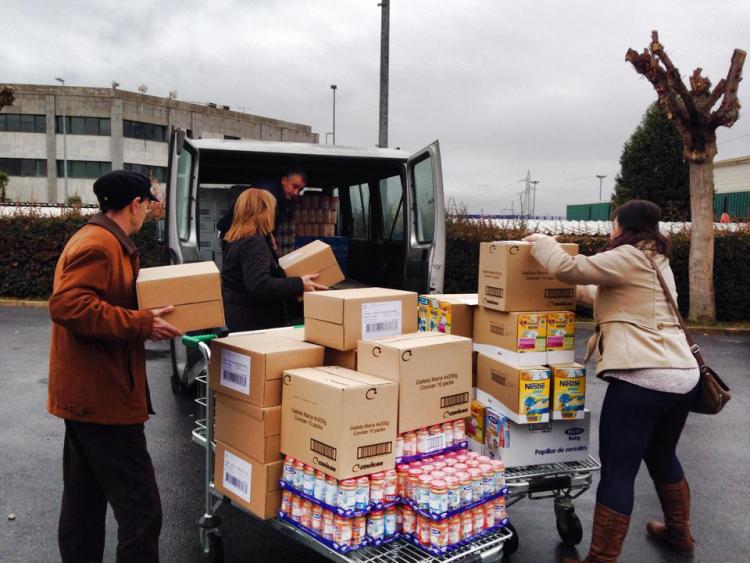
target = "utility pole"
x: 533, y: 199
x: 333, y: 87
x: 65, y: 143
x: 385, y: 10
x: 601, y: 177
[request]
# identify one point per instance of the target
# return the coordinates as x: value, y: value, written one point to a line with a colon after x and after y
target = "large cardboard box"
x: 314, y: 258
x: 561, y: 330
x: 510, y: 279
x: 533, y: 444
x: 433, y: 372
x: 339, y: 421
x: 249, y: 367
x: 447, y: 313
x: 253, y: 430
x: 338, y: 319
x: 518, y: 338
x: 568, y: 391
x: 194, y: 289
x: 249, y: 483
x: 525, y: 391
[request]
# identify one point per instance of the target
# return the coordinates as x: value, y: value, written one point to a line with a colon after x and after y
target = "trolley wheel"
x: 215, y: 548
x: 179, y: 387
x: 569, y: 527
x: 511, y: 546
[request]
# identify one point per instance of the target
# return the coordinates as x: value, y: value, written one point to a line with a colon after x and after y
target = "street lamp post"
x: 65, y: 143
x: 601, y: 177
x: 334, y: 87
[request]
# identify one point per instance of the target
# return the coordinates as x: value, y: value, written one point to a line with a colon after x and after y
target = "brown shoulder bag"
x: 713, y: 393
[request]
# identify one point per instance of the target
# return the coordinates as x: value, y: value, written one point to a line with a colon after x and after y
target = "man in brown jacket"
x: 97, y: 379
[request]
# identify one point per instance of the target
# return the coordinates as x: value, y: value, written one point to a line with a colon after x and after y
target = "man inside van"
x: 287, y: 193
x: 97, y: 379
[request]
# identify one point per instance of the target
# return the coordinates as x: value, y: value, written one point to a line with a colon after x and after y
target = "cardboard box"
x: 341, y: 359
x: 475, y: 424
x: 524, y: 391
x: 338, y: 319
x: 561, y: 329
x: 249, y: 483
x: 254, y: 431
x: 518, y: 338
x: 433, y: 372
x: 194, y: 289
x: 314, y: 258
x: 450, y: 314
x: 568, y: 391
x: 292, y: 332
x: 339, y: 421
x: 533, y: 444
x: 249, y: 367
x: 510, y: 279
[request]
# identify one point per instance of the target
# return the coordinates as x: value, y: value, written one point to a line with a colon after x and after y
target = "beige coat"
x: 635, y: 326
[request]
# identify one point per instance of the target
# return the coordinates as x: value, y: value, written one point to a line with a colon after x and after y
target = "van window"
x: 392, y: 203
x: 182, y: 193
x: 424, y: 195
x: 359, y: 198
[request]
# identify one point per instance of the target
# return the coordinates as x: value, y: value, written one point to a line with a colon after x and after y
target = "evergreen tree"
x: 652, y: 167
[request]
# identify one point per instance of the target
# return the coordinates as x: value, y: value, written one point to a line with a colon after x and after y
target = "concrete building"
x: 107, y: 129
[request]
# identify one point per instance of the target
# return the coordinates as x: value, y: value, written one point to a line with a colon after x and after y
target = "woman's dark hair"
x: 639, y: 223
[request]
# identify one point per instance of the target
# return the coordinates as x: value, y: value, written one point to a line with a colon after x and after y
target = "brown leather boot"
x: 607, y: 536
x: 675, y: 530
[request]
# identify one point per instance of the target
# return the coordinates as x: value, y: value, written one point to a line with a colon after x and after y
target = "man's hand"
x: 537, y: 236
x: 161, y: 329
x: 309, y: 284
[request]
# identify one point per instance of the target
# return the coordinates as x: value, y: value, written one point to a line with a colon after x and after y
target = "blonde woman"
x: 254, y: 287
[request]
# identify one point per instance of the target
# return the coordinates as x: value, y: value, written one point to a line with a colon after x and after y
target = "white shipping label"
x: 381, y: 319
x: 235, y: 371
x: 237, y: 476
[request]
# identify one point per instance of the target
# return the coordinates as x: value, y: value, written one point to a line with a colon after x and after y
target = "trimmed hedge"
x: 30, y: 246
x: 731, y: 262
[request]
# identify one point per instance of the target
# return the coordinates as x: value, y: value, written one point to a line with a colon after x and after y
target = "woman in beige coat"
x: 641, y: 350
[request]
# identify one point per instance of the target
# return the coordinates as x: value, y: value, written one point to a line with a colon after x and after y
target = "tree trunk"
x: 701, y: 270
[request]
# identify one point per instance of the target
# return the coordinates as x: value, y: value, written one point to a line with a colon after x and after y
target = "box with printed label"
x: 568, y: 391
x: 194, y: 289
x: 338, y: 319
x: 433, y: 372
x: 520, y: 445
x: 524, y: 391
x: 475, y: 424
x: 253, y: 430
x: 339, y: 421
x: 561, y: 329
x: 346, y: 359
x: 249, y: 483
x: 518, y: 338
x: 249, y: 367
x: 314, y: 258
x: 510, y: 279
x: 450, y: 314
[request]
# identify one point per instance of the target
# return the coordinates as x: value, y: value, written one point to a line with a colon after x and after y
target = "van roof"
x: 302, y: 149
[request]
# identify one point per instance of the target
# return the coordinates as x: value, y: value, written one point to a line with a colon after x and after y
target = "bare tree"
x: 691, y: 112
x: 7, y: 97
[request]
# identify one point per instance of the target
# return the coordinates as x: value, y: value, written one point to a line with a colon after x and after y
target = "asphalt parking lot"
x: 715, y: 452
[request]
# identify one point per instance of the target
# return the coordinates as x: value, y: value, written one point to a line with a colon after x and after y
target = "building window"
x: 23, y: 123
x: 84, y: 168
x: 24, y: 166
x: 159, y: 172
x: 145, y: 131
x: 83, y: 125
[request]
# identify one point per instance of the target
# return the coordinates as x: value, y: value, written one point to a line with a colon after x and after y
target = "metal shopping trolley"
x: 485, y: 548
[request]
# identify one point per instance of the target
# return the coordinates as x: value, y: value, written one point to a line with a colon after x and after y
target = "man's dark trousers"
x: 102, y: 464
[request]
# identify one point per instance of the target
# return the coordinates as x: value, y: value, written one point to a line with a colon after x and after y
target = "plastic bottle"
x: 297, y: 508
x: 450, y: 461
x: 439, y: 534
x: 438, y: 475
x: 410, y: 520
x: 461, y: 457
x: 306, y: 521
x: 299, y: 474
x: 472, y: 463
x: 459, y: 431
x: 454, y: 530
x: 410, y: 444
x: 332, y: 491
x: 391, y: 486
x: 399, y: 447
x: 308, y: 486
x: 428, y: 467
x: 467, y: 525
x: 423, y: 441
x: 500, y: 510
x: 376, y: 525
x: 499, y: 474
x: 377, y: 488
x: 438, y: 496
x: 319, y: 491
x: 402, y: 472
x: 478, y: 514
x: 488, y: 479
x: 412, y: 493
x: 461, y: 466
x: 390, y: 521
x: 343, y: 531
x: 399, y: 519
x: 287, y: 474
x: 472, y: 455
x: 316, y: 524
x: 489, y: 515
x: 359, y: 530
x: 476, y: 483
x: 483, y: 459
x: 447, y: 433
x: 286, y: 503
x: 363, y: 493
x: 454, y: 492
x: 467, y: 488
x: 423, y: 530
x: 450, y: 471
x: 437, y: 437
x: 329, y: 528
x: 423, y: 492
x: 439, y: 465
x: 347, y: 494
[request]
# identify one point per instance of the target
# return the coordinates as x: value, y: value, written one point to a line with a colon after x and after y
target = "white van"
x: 377, y: 189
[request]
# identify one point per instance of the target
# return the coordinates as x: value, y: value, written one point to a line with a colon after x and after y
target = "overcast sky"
x: 505, y: 86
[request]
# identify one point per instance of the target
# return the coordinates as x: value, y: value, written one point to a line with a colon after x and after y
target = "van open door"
x: 425, y: 253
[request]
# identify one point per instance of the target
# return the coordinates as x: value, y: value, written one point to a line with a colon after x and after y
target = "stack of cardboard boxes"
x: 316, y: 216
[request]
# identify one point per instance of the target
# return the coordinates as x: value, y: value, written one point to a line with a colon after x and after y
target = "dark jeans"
x: 638, y: 424
x: 103, y: 464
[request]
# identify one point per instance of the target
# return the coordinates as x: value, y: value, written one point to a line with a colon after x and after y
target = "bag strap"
x: 694, y: 348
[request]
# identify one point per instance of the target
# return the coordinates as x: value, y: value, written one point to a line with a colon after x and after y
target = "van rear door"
x: 425, y: 254
x: 181, y: 228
